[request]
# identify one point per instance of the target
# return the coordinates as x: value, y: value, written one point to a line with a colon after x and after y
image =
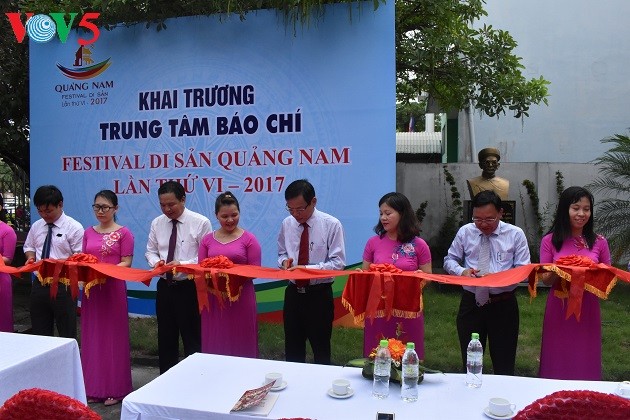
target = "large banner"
x: 221, y: 104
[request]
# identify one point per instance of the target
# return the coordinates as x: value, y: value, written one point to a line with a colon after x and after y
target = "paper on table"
x: 257, y: 401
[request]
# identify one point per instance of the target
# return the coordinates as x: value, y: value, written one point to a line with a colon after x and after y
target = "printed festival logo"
x: 84, y: 66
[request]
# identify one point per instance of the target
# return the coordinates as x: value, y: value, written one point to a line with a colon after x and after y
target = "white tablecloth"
x: 33, y: 361
x: 206, y: 386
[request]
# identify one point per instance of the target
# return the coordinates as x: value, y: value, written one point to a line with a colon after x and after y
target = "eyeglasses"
x: 487, y: 220
x: 298, y: 210
x: 97, y: 208
x: 46, y: 210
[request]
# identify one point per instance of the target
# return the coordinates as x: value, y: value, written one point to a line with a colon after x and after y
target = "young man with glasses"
x: 486, y: 246
x: 311, y: 239
x: 56, y: 235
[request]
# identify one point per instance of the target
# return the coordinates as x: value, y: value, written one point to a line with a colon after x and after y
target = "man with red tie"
x: 174, y: 239
x: 310, y: 239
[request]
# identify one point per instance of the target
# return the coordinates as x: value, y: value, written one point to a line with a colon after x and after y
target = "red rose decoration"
x: 38, y: 404
x: 576, y: 405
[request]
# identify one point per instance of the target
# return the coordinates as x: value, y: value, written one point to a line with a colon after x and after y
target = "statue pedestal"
x: 509, y: 211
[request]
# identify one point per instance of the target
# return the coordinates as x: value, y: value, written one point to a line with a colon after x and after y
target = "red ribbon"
x: 576, y: 269
x: 358, y: 295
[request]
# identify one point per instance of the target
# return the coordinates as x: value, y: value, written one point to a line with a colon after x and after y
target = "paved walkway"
x: 141, y: 373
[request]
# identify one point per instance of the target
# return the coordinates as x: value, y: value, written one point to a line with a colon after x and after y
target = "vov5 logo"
x: 42, y: 28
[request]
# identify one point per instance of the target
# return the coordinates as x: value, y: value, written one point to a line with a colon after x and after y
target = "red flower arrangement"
x: 37, y: 404
x: 396, y: 349
x: 576, y: 405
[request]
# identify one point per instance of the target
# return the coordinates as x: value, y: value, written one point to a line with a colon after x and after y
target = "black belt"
x: 171, y: 283
x: 498, y: 297
x: 501, y: 296
x: 310, y: 287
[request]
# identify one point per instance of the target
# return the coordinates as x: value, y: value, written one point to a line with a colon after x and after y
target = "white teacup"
x: 341, y: 386
x: 624, y: 388
x: 500, y: 407
x: 274, y: 376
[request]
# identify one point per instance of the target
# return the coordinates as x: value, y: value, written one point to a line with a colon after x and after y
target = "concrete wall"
x: 579, y: 47
x: 426, y: 181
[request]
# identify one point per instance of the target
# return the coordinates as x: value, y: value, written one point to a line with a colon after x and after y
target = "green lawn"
x: 441, y: 344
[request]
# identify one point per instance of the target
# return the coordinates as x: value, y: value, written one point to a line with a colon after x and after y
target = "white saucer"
x: 619, y: 394
x: 341, y: 397
x: 279, y: 387
x: 487, y: 412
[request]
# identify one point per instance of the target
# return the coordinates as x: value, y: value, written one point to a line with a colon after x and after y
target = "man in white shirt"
x: 311, y: 239
x: 486, y: 246
x: 56, y: 235
x: 174, y: 239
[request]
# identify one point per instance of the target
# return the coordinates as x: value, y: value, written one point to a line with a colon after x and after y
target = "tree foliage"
x: 437, y: 51
x: 14, y: 127
x: 613, y: 213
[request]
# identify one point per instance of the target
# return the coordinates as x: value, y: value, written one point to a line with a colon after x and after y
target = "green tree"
x: 437, y: 51
x: 14, y: 127
x: 613, y: 213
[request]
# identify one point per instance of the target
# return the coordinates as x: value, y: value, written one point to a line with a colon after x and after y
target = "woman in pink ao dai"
x: 105, y: 352
x: 232, y: 329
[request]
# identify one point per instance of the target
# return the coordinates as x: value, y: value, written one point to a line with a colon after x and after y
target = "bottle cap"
x: 384, y: 343
x: 411, y: 345
x: 474, y: 336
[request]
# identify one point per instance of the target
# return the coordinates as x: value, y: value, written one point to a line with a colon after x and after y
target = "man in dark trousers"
x: 56, y: 235
x: 311, y: 239
x: 174, y: 239
x: 485, y: 246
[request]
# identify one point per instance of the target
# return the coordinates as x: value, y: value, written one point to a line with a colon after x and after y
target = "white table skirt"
x: 33, y: 361
x: 206, y: 386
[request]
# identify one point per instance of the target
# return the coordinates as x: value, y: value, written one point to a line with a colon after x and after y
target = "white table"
x: 33, y: 361
x: 206, y: 386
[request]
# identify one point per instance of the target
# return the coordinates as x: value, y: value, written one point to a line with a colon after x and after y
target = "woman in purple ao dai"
x: 105, y: 352
x: 8, y: 238
x: 232, y: 329
x: 396, y: 242
x: 572, y: 349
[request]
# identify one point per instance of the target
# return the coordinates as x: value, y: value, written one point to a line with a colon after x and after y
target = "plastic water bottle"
x: 474, y: 362
x: 410, y: 373
x: 382, y: 370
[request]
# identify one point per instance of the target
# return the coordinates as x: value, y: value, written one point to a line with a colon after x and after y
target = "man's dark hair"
x: 47, y: 195
x: 487, y: 197
x: 301, y: 187
x: 173, y: 187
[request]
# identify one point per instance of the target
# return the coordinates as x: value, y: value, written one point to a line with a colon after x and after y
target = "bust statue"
x: 489, y: 163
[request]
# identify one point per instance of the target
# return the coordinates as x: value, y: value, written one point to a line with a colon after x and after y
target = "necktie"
x: 482, y: 294
x: 47, y: 243
x: 303, y: 254
x: 172, y: 242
